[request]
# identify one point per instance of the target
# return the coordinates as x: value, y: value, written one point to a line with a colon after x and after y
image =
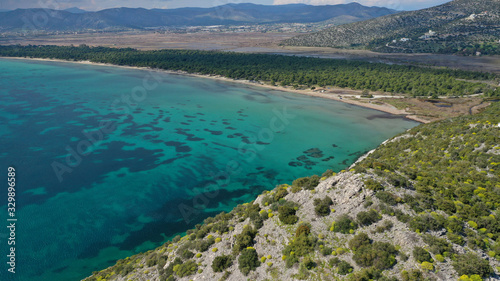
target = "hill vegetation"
x: 138, y: 18
x: 458, y: 27
x: 423, y: 206
x: 280, y: 70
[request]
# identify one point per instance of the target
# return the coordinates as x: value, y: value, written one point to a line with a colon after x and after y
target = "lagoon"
x: 113, y: 161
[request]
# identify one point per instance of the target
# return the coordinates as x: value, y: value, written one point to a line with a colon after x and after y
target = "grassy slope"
x: 428, y: 200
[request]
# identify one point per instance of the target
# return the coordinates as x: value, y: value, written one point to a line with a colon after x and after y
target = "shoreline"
x: 336, y: 94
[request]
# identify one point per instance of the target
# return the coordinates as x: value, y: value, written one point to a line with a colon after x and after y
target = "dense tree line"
x: 278, y: 69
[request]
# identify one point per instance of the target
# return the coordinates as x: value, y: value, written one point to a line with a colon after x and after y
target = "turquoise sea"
x: 112, y: 161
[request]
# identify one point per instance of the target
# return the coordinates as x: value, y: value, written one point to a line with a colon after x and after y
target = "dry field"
x: 250, y: 42
x: 418, y: 109
x: 433, y: 110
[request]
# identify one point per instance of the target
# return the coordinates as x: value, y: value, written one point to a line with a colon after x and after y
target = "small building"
x: 404, y: 39
x: 428, y: 35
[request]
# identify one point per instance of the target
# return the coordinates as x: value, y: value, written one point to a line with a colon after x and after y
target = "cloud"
x: 93, y: 5
x: 393, y: 4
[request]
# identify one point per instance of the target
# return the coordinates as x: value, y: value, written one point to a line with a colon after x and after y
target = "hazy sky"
x: 93, y: 5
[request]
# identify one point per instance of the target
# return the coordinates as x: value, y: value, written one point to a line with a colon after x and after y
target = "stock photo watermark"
x: 12, y: 219
x: 248, y: 151
x: 93, y: 138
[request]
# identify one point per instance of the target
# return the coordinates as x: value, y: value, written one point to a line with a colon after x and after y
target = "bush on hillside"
x: 420, y: 255
x: 287, y: 215
x: 344, y: 225
x: 248, y: 260
x: 221, y: 263
x: 322, y: 206
x: 471, y: 264
x: 367, y: 218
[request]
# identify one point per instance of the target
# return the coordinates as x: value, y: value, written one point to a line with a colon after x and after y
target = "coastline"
x: 337, y: 94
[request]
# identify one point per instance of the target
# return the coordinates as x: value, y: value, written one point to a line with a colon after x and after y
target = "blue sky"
x: 93, y: 5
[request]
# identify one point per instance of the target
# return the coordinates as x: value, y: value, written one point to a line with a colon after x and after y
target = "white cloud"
x: 393, y: 4
x: 103, y: 4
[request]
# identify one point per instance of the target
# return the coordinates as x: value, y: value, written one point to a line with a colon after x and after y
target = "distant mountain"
x: 75, y: 10
x: 457, y: 27
x: 230, y: 14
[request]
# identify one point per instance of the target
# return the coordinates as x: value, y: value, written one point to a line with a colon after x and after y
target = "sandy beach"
x: 338, y: 94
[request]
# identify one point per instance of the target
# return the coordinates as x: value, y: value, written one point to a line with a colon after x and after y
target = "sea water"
x: 111, y: 162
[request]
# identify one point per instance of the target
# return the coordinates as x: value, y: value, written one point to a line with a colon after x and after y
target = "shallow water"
x: 112, y: 161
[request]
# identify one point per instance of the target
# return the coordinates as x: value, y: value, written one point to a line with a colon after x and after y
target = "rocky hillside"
x: 423, y: 206
x: 459, y: 26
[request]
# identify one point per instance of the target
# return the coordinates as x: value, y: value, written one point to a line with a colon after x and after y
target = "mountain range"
x: 230, y: 14
x: 456, y: 26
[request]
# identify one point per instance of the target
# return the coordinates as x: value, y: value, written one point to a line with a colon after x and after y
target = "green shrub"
x: 244, y: 239
x: 203, y: 245
x: 334, y: 262
x: 413, y: 275
x: 202, y: 231
x: 322, y: 206
x: 420, y: 255
x: 162, y: 260
x: 307, y: 182
x: 221, y: 263
x: 326, y: 251
x: 303, y: 229
x: 152, y: 259
x: 427, y: 266
x: 225, y: 276
x: 287, y: 215
x: 373, y: 185
x: 187, y: 268
x: 454, y: 225
x: 439, y: 258
x: 368, y: 203
x: 359, y: 241
x: 380, y: 255
x: 366, y: 274
x: 221, y: 227
x: 308, y: 263
x: 169, y: 271
x: 176, y: 239
x: 470, y: 264
x: 344, y: 224
x: 387, y: 197
x: 253, y: 212
x: 424, y: 223
x: 457, y: 239
x: 328, y: 173
x: 367, y: 218
x: 281, y: 192
x: 344, y: 268
x: 248, y: 261
x: 385, y: 278
x: 437, y: 245
x: 301, y: 245
x: 402, y: 217
x: 187, y: 254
